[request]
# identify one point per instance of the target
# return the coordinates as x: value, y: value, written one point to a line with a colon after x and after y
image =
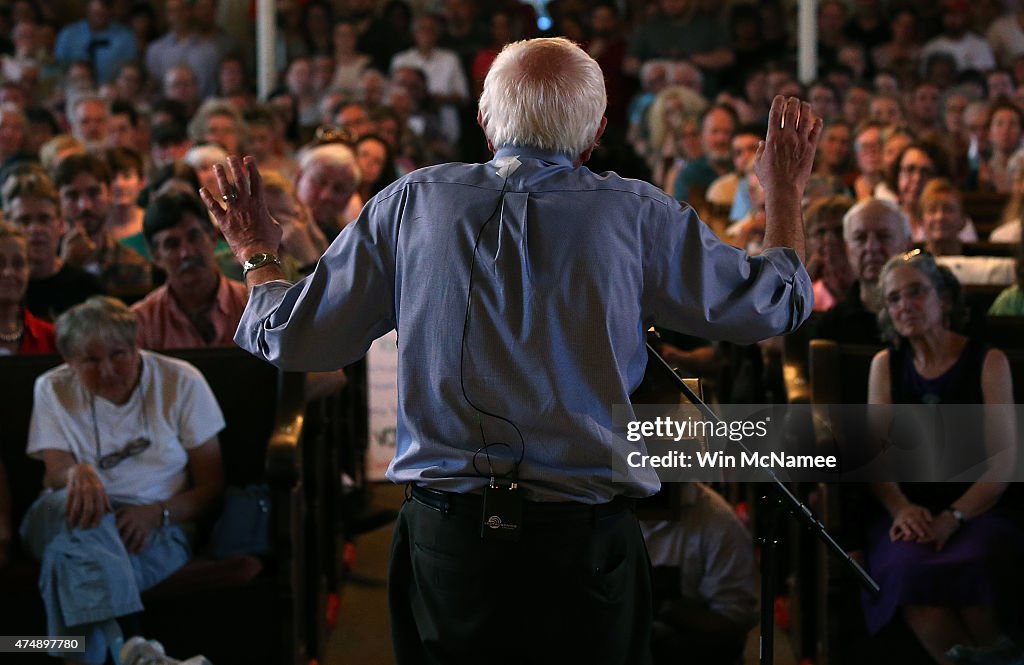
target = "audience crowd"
x: 113, y: 114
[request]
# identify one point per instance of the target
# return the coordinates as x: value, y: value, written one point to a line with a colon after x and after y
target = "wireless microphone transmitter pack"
x: 502, y: 517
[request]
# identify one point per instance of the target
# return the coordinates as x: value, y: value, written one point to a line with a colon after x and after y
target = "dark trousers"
x: 570, y: 591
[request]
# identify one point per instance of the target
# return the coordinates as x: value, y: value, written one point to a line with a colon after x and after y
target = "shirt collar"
x: 522, y: 153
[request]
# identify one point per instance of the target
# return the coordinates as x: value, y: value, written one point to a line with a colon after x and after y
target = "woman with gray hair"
x: 218, y: 121
x: 937, y: 532
x: 129, y: 442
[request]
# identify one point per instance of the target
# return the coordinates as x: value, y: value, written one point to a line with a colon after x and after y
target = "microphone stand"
x: 769, y: 543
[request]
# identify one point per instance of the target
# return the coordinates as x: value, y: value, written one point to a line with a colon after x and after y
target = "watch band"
x: 957, y: 515
x: 259, y: 260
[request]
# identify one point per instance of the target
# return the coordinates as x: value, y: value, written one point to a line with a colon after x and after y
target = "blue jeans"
x: 88, y: 578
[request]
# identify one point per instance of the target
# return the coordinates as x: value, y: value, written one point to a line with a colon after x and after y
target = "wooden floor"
x: 363, y: 634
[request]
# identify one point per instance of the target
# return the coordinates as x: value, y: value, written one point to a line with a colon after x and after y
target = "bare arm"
x: 137, y: 523
x: 322, y: 384
x: 87, y: 500
x: 783, y: 165
x: 1000, y: 435
x: 701, y: 361
x: 909, y: 521
x: 880, y: 392
x: 206, y: 471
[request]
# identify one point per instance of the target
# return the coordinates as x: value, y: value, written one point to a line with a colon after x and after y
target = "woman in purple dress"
x: 938, y: 553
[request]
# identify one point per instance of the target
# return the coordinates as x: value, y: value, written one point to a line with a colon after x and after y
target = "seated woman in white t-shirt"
x: 129, y: 440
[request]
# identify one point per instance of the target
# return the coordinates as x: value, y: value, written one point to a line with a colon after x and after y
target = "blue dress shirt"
x: 106, y: 49
x: 563, y: 281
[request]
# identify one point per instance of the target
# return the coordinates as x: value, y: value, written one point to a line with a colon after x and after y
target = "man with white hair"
x: 520, y: 290
x: 327, y: 179
x: 89, y: 117
x: 874, y: 231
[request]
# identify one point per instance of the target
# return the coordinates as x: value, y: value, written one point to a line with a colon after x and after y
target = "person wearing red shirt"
x: 20, y: 332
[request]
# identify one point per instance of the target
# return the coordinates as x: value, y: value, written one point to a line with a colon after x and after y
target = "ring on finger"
x: 231, y: 194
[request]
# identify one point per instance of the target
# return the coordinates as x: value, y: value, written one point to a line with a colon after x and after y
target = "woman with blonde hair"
x: 673, y: 118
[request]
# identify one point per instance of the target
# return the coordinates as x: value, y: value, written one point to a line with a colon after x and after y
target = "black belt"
x: 533, y: 511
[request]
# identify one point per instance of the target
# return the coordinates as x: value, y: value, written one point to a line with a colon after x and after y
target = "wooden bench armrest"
x: 823, y: 369
x: 795, y: 374
x: 284, y: 452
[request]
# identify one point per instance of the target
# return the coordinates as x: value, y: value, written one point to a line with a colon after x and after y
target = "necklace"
x: 13, y: 336
x: 130, y: 449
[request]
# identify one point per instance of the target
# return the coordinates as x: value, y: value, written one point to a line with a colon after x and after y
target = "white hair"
x: 13, y: 110
x: 683, y: 72
x: 861, y: 208
x: 333, y: 154
x: 89, y: 97
x: 201, y: 156
x: 543, y: 93
x: 692, y: 104
x: 211, y: 107
x: 653, y: 69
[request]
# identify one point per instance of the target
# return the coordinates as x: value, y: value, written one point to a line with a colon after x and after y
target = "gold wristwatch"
x: 259, y: 260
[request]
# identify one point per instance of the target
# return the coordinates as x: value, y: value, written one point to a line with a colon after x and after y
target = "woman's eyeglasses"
x: 909, y: 292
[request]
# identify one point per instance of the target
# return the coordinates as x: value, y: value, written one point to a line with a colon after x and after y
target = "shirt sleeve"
x: 127, y: 47
x: 61, y: 49
x: 47, y: 426
x: 330, y: 318
x: 699, y: 285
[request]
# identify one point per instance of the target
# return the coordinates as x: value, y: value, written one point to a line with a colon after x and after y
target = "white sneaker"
x: 140, y: 651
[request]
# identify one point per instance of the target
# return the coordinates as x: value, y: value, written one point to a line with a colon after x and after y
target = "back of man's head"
x: 543, y: 93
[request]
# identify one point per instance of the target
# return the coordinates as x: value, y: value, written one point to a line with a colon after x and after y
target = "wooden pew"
x: 983, y: 248
x: 985, y: 210
x: 241, y: 609
x: 1005, y: 332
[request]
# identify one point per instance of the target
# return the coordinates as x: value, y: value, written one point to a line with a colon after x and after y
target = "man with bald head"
x: 519, y: 289
x: 874, y: 231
